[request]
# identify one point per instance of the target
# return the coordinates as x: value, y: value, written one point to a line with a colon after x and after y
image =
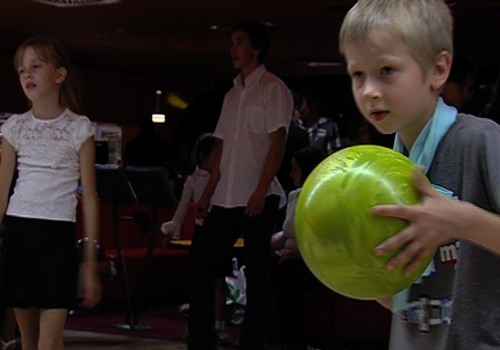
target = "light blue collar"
x: 427, y: 142
x: 422, y: 153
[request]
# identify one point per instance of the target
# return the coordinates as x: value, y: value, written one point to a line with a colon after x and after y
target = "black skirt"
x: 39, y: 264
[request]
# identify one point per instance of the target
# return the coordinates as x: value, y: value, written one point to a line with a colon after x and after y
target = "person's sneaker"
x: 222, y: 337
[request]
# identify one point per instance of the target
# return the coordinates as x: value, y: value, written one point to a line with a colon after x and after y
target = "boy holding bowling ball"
x: 398, y: 55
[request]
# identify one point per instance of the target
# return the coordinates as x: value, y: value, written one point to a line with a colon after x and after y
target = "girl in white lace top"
x: 52, y: 148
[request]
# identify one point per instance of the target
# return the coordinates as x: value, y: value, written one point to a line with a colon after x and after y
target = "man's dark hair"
x: 258, y: 35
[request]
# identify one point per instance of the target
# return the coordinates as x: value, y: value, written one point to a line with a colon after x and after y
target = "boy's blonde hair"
x: 425, y: 26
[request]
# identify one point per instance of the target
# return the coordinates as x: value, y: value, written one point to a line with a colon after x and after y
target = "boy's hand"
x: 430, y: 224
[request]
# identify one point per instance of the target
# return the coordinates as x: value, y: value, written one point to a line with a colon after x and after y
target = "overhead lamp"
x: 327, y: 64
x: 76, y: 3
x: 158, y: 116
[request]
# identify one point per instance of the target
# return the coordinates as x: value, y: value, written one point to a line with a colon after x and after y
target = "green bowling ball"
x: 336, y: 232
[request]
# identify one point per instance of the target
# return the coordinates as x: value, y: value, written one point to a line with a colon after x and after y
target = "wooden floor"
x: 76, y: 340
x: 81, y: 340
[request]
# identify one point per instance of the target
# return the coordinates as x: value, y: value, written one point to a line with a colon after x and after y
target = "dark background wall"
x: 123, y: 98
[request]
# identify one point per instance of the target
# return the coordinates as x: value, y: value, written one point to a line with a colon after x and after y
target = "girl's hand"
x: 430, y: 224
x: 165, y: 242
x: 201, y: 207
x: 286, y: 254
x: 90, y: 288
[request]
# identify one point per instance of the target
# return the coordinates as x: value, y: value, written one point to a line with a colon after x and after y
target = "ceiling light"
x: 219, y: 28
x: 268, y: 24
x: 76, y: 3
x: 158, y: 116
x: 314, y: 64
x: 225, y: 28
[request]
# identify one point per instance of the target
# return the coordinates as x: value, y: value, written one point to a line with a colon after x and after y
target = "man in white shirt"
x: 244, y: 192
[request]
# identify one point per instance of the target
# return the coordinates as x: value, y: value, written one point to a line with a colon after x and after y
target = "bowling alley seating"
x: 166, y: 279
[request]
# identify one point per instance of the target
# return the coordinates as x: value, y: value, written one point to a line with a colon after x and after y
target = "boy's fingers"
x: 393, y: 210
x: 421, y: 184
x: 407, y: 256
x: 415, y: 264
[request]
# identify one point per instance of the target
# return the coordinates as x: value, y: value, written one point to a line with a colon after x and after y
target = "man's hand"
x: 255, y: 204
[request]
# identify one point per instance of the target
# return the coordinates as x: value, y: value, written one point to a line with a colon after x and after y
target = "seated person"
x: 462, y: 82
x: 290, y: 274
x: 204, y: 151
x: 302, y: 163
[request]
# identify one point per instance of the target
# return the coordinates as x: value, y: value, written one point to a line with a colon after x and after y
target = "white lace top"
x: 48, y: 164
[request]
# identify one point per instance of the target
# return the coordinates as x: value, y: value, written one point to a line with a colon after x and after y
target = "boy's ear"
x: 441, y: 70
x: 61, y: 75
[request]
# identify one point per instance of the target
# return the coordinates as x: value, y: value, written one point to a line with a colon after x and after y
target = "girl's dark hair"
x: 51, y: 51
x: 307, y: 159
x: 205, y: 144
x: 257, y: 33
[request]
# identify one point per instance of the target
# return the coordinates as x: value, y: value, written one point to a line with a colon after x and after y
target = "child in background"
x: 459, y: 89
x: 53, y: 148
x: 204, y: 152
x: 398, y: 55
x: 292, y: 277
x: 303, y: 162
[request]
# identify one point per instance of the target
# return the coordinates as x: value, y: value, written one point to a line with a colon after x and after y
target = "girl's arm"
x: 183, y: 205
x: 7, y: 167
x: 172, y: 228
x: 92, y: 290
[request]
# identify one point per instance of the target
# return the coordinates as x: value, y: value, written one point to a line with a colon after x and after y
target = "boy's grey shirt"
x: 467, y: 162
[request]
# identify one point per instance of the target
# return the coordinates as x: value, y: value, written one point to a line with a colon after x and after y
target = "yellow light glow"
x: 176, y: 101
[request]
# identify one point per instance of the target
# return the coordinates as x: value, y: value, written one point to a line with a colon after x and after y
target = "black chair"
x: 113, y: 188
x: 152, y: 189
